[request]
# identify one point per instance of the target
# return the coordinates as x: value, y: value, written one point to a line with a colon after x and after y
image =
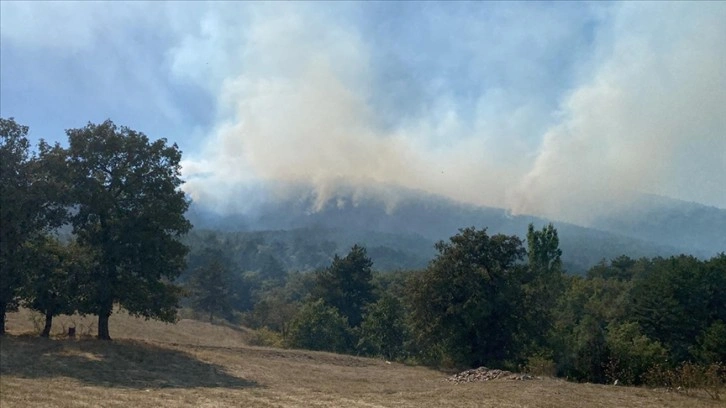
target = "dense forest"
x: 483, y: 300
x: 480, y: 299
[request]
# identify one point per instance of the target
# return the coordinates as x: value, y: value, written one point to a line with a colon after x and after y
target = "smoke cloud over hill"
x: 562, y: 110
x: 645, y: 115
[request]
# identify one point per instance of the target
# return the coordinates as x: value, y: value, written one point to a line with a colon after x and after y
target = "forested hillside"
x: 484, y: 299
x: 404, y: 236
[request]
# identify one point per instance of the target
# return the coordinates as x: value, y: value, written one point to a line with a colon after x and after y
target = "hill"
x: 192, y: 364
x: 402, y: 235
x: 693, y: 228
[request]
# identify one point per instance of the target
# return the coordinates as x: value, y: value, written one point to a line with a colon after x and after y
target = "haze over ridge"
x: 567, y: 111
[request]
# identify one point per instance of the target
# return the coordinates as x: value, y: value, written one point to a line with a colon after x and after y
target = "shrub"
x: 689, y: 377
x: 383, y: 331
x: 540, y: 365
x: 632, y: 353
x: 320, y: 327
x: 266, y: 338
x: 711, y: 344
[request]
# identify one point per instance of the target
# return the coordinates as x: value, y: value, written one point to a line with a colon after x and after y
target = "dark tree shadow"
x: 124, y: 363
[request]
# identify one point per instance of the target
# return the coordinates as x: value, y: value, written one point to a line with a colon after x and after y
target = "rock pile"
x: 486, y: 374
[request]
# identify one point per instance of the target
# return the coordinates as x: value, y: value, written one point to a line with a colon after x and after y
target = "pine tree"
x: 347, y: 284
x: 210, y: 293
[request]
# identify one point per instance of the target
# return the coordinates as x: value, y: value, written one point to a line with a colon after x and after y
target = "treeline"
x: 486, y: 300
x: 116, y: 195
x: 307, y: 249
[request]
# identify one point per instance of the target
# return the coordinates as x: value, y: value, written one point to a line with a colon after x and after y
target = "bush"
x: 632, y: 353
x: 383, y: 331
x: 266, y: 338
x: 541, y: 366
x: 320, y: 327
x: 711, y: 344
x: 689, y: 377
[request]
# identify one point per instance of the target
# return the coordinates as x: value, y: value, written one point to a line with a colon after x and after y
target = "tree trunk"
x: 48, y: 324
x: 105, y: 306
x: 211, y: 317
x: 2, y: 318
x: 103, y: 333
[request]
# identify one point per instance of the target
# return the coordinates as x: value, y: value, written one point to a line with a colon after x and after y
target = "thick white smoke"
x: 651, y: 119
x: 313, y: 96
x: 300, y: 114
x: 647, y: 116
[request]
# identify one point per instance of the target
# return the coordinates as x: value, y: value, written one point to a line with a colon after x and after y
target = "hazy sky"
x: 557, y: 109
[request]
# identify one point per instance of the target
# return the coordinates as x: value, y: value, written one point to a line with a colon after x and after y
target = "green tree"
x: 383, y: 331
x: 581, y: 323
x: 210, y: 292
x: 621, y: 268
x: 711, y: 344
x: 275, y: 310
x: 676, y: 299
x: 318, y: 326
x: 715, y: 287
x: 631, y: 353
x: 543, y: 250
x: 347, y: 284
x: 16, y: 214
x: 465, y: 305
x: 130, y: 215
x: 271, y: 269
x: 543, y: 284
x: 55, y: 273
x: 29, y: 205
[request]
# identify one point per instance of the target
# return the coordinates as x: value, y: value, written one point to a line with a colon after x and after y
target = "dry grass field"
x: 195, y: 364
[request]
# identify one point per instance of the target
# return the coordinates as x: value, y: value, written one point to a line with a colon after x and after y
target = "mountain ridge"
x: 642, y: 230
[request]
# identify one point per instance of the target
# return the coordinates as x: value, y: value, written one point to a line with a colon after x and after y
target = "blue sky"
x: 557, y: 109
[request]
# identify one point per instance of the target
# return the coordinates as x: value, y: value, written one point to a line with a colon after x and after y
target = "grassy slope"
x: 151, y: 364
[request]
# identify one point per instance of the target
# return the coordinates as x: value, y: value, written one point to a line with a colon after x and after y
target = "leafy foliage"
x: 581, y: 321
x: 130, y: 215
x: 675, y: 299
x: 209, y: 286
x: 318, y: 326
x: 30, y: 204
x: 16, y: 214
x: 383, y: 331
x: 465, y: 303
x: 347, y: 284
x: 55, y: 276
x: 631, y: 353
x: 542, y: 286
x: 710, y: 346
x: 687, y: 377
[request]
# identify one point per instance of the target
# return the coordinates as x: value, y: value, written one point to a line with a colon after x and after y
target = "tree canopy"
x: 30, y: 204
x: 129, y: 213
x: 347, y: 284
x: 16, y: 214
x: 465, y: 304
x: 210, y: 291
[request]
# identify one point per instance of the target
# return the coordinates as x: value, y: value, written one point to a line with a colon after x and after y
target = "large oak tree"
x: 129, y: 213
x: 465, y: 306
x: 30, y: 205
x: 16, y: 215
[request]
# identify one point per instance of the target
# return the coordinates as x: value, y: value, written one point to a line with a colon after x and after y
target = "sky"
x: 564, y: 110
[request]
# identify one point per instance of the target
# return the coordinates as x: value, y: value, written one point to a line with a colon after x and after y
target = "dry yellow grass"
x: 195, y: 364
